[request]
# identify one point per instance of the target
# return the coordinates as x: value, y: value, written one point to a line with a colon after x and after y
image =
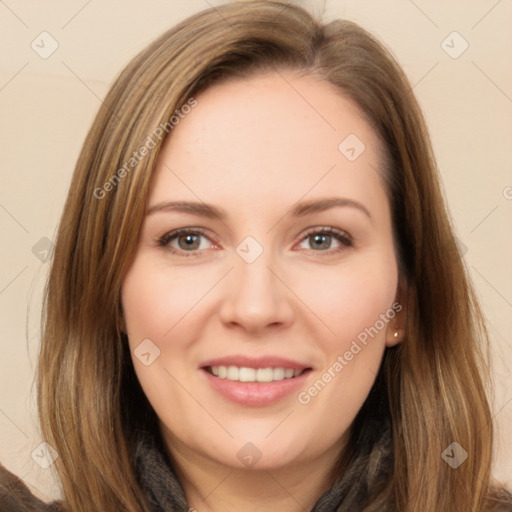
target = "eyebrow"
x: 298, y: 210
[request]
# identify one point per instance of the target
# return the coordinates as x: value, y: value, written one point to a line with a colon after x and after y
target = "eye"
x: 184, y: 240
x: 188, y: 242
x: 321, y: 239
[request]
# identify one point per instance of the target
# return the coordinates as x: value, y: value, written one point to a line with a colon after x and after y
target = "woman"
x: 256, y: 300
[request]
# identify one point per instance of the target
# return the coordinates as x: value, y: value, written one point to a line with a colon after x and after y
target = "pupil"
x: 319, y: 238
x: 189, y: 241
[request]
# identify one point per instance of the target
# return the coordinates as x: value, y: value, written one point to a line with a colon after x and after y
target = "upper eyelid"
x: 173, y: 234
x: 328, y: 229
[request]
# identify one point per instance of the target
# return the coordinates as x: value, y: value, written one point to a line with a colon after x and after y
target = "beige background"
x: 48, y: 105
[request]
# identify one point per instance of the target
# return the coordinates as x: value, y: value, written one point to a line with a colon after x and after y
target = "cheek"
x: 169, y: 307
x: 355, y: 304
x: 350, y: 299
x: 158, y: 306
x: 153, y: 307
x: 156, y: 301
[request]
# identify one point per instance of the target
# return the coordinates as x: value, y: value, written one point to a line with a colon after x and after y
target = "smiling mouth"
x: 245, y: 374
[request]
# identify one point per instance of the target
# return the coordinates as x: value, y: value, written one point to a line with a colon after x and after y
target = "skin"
x: 256, y: 148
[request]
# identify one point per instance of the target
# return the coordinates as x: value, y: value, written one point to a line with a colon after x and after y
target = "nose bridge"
x: 255, y: 296
x: 253, y: 278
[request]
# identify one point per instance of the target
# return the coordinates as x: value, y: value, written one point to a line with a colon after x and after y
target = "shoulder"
x: 15, y: 496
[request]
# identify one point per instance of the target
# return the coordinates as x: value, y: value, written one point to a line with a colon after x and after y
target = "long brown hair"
x: 431, y: 388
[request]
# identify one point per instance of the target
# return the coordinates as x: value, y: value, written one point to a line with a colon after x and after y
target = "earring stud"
x: 395, y: 335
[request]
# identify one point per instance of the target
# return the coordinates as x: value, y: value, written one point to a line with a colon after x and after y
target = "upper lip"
x: 255, y: 362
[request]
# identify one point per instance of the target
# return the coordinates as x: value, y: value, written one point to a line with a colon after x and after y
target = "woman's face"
x: 258, y: 330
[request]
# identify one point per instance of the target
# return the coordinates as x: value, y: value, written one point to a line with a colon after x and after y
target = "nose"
x: 256, y: 296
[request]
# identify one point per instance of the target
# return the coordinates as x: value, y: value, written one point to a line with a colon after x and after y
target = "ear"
x: 395, y: 331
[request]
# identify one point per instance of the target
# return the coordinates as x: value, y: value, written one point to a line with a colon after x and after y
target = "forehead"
x: 273, y: 135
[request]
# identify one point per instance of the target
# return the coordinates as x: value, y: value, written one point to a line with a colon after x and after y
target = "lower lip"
x: 256, y: 394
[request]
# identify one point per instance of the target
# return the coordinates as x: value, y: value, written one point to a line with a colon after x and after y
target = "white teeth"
x: 244, y: 374
x: 288, y: 373
x: 264, y: 375
x: 233, y: 373
x: 278, y: 373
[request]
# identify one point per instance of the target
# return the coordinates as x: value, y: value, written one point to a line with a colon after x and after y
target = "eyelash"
x: 341, y: 236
